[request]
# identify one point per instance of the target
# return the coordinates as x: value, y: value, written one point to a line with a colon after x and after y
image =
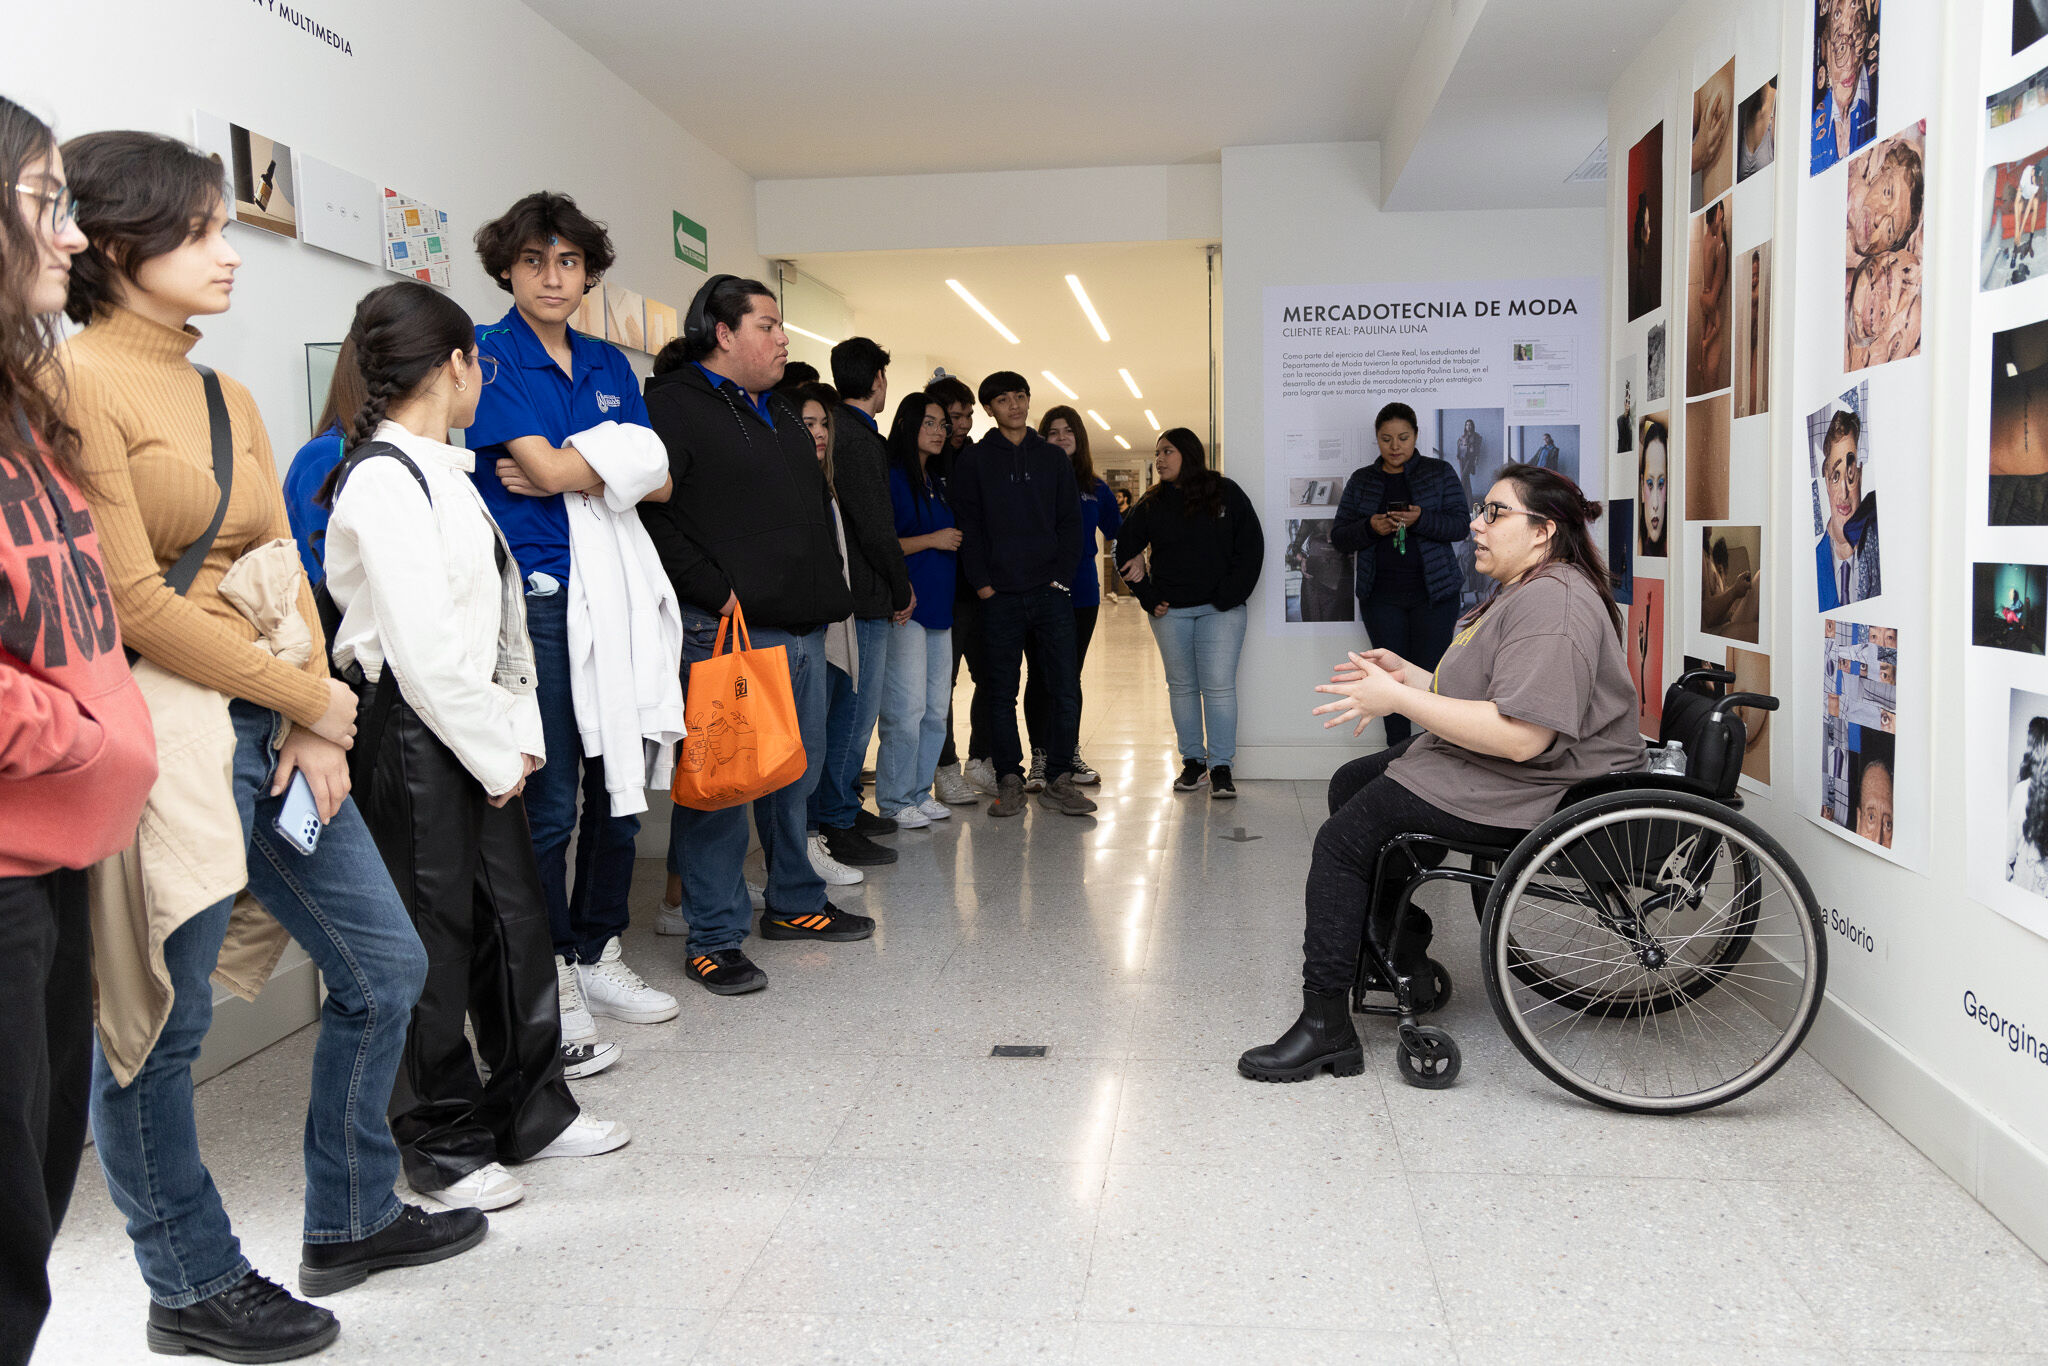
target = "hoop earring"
x: 461, y: 386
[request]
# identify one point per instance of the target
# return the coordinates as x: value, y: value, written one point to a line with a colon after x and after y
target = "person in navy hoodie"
x: 1100, y: 514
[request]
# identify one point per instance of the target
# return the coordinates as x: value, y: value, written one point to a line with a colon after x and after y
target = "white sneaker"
x: 586, y: 1137
x: 831, y: 869
x: 949, y: 787
x: 982, y: 773
x: 488, y: 1187
x: 935, y: 810
x: 611, y: 988
x: 910, y: 817
x: 588, y: 1059
x: 577, y: 1026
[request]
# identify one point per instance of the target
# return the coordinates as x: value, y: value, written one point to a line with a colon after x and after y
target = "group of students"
x: 469, y: 661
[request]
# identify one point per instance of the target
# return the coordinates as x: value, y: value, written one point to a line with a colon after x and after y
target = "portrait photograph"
x: 1625, y: 405
x: 2029, y: 23
x: 1474, y: 440
x: 1845, y: 550
x: 1706, y: 459
x: 1554, y: 446
x: 1646, y: 654
x: 1621, y: 548
x: 1319, y: 579
x: 2019, y: 426
x: 1713, y: 137
x: 1756, y: 129
x: 1731, y: 581
x: 1653, y: 486
x: 1859, y: 724
x: 1645, y: 206
x: 1844, y: 80
x: 1656, y: 360
x: 2026, y: 808
x: 1884, y: 236
x: 1706, y: 321
x: 2007, y: 602
x: 1753, y: 331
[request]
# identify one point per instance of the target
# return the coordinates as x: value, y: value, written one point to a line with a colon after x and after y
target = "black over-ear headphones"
x: 700, y: 333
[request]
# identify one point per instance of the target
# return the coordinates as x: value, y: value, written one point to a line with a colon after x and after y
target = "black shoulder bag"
x: 180, y: 575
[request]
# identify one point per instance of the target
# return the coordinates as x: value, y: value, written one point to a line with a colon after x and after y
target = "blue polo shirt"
x: 532, y: 397
x: 309, y: 470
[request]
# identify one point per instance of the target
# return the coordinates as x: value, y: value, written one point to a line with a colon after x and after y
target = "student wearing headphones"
x: 748, y: 526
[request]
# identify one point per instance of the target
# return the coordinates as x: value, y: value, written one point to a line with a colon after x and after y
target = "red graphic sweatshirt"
x: 77, y: 755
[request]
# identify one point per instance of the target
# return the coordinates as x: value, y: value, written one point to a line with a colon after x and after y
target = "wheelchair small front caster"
x: 1427, y: 1057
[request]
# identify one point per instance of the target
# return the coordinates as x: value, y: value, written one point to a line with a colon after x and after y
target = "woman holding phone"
x: 1400, y: 516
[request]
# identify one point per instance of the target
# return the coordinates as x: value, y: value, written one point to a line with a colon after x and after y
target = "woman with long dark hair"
x: 1653, y: 488
x: 1205, y: 551
x: 1100, y: 516
x: 430, y: 595
x: 1533, y: 696
x: 919, y: 684
x: 2026, y: 822
x: 185, y: 489
x: 77, y: 754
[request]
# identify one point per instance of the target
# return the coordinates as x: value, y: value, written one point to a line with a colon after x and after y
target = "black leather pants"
x: 465, y: 871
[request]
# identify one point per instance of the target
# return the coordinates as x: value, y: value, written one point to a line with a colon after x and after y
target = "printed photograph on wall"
x: 261, y: 169
x: 1844, y: 79
x: 1625, y: 405
x: 2019, y: 426
x: 1885, y: 237
x: 1706, y: 459
x: 1621, y: 548
x: 1319, y: 582
x: 416, y: 238
x: 1706, y: 320
x: 1474, y: 441
x: 661, y: 326
x: 2026, y: 808
x: 2029, y: 23
x: 1757, y: 128
x: 1656, y: 374
x: 1752, y: 672
x: 1653, y: 485
x: 1314, y: 493
x: 625, y: 320
x: 2016, y: 101
x: 589, y: 315
x: 1731, y: 581
x: 1713, y: 137
x: 2012, y: 246
x: 1553, y: 447
x: 1646, y: 654
x: 2007, y: 602
x: 1845, y: 551
x: 1859, y: 726
x: 1646, y: 223
x: 1753, y: 331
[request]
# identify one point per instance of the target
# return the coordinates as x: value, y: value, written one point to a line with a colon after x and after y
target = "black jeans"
x: 1039, y: 622
x: 967, y: 647
x: 1038, y: 697
x: 45, y: 1078
x: 1412, y: 627
x: 466, y: 872
x: 1367, y: 809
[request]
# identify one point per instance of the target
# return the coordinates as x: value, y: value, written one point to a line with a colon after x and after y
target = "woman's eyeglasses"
x: 1491, y: 512
x: 60, y: 208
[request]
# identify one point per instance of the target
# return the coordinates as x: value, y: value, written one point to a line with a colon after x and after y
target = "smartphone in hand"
x: 298, y: 820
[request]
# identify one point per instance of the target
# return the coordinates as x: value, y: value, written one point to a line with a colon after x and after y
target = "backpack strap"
x: 222, y: 433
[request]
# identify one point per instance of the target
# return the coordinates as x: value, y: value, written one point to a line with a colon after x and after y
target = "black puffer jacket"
x: 748, y: 516
x: 874, y: 557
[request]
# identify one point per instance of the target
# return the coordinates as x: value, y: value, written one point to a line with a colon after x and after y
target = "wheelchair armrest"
x: 1632, y: 781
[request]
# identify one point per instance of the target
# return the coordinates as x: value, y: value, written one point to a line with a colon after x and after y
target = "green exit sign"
x: 692, y: 246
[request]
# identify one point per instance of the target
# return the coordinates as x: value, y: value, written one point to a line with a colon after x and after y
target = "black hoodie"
x: 748, y: 516
x: 1019, y: 512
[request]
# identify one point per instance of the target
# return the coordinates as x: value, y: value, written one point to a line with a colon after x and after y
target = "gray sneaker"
x: 1062, y: 796
x: 1009, y: 796
x: 1034, y: 780
x: 950, y: 786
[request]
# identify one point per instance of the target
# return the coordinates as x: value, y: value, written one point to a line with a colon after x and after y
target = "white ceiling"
x: 803, y: 88
x: 1153, y: 298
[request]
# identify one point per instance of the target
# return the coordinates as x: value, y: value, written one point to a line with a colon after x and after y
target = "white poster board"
x: 340, y: 212
x: 1496, y: 370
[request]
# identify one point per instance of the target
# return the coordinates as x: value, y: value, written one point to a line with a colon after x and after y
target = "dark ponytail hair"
x: 1201, y: 488
x: 31, y: 381
x: 402, y: 333
x: 1571, y: 515
x: 344, y: 395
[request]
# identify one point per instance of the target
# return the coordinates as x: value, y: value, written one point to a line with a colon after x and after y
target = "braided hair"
x: 401, y: 335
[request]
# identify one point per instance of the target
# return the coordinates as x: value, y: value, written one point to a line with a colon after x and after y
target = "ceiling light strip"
x: 1054, y: 381
x: 1151, y: 419
x: 1130, y: 383
x: 1125, y: 444
x: 1099, y: 420
x: 788, y: 326
x: 1094, y: 318
x: 991, y: 319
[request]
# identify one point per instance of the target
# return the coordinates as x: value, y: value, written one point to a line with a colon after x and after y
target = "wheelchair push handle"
x: 1713, y: 674
x: 1758, y: 700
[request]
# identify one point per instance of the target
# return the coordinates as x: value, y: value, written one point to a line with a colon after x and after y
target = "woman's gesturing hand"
x: 1365, y: 693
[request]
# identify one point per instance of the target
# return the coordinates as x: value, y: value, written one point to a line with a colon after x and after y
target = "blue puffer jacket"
x: 1445, y: 521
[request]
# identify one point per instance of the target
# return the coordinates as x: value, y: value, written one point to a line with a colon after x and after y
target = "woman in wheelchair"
x: 1533, y: 696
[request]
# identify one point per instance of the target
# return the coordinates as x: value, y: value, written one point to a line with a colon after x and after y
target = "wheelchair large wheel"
x: 1653, y: 951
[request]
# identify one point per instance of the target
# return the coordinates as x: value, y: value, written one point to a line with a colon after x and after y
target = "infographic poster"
x: 416, y: 239
x: 1496, y: 371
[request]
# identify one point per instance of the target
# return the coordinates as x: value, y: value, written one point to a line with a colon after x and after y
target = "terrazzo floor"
x: 835, y: 1169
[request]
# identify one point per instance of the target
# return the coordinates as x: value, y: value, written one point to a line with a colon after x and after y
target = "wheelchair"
x: 1647, y: 948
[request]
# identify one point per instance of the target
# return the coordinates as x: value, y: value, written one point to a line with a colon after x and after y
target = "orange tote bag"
x: 744, y: 740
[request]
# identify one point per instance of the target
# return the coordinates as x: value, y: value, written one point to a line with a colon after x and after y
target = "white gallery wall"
x: 1916, y: 960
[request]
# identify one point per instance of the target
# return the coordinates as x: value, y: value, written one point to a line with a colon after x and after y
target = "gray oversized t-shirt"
x: 1544, y: 652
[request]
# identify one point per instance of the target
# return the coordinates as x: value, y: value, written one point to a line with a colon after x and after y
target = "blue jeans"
x: 708, y: 849
x: 841, y: 702
x: 339, y: 904
x: 1200, y: 646
x: 920, y: 688
x: 839, y: 786
x: 583, y: 919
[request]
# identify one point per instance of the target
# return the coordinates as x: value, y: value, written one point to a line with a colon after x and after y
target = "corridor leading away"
x: 835, y: 1169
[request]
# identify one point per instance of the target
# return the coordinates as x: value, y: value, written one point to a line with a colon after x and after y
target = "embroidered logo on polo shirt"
x: 606, y: 402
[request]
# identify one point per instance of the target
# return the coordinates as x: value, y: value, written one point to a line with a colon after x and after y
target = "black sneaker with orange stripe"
x: 827, y: 922
x: 726, y: 972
